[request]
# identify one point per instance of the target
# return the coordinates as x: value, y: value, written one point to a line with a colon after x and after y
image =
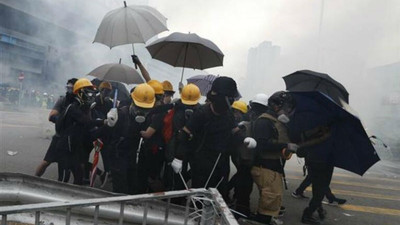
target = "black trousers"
x: 124, y: 173
x: 321, y: 176
x: 242, y: 182
x: 307, y: 182
x: 202, y: 165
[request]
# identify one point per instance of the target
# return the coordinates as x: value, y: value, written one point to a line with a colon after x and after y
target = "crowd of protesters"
x: 160, y: 140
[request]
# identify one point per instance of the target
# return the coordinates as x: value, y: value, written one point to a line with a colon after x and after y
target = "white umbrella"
x: 117, y: 72
x: 129, y: 25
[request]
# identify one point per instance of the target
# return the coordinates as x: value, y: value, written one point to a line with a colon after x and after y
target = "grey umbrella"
x: 117, y: 72
x: 187, y: 51
x: 307, y: 80
x: 204, y: 82
x: 130, y: 24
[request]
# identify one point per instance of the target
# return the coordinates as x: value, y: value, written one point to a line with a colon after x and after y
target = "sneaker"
x: 300, y: 195
x: 310, y: 220
x: 337, y: 201
x: 275, y: 221
x: 307, y: 218
x: 282, y: 209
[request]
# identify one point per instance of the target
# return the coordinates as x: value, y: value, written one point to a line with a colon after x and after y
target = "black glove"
x: 135, y: 59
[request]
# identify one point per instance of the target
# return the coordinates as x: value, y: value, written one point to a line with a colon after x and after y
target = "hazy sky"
x: 356, y: 34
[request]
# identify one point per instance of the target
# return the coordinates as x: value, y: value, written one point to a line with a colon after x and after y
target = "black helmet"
x: 225, y: 86
x: 282, y: 100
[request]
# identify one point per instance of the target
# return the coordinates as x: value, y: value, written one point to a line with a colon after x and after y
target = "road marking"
x: 353, y: 176
x: 369, y: 209
x: 19, y: 126
x: 357, y: 184
x: 362, y: 194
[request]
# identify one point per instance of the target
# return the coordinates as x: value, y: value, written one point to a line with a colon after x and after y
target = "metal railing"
x: 209, y: 207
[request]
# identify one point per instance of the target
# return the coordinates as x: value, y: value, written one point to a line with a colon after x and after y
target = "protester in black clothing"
x: 125, y: 139
x: 210, y: 129
x: 51, y: 154
x: 317, y: 146
x: 241, y: 181
x: 74, y: 128
x: 103, y: 105
x: 152, y: 156
x: 175, y: 121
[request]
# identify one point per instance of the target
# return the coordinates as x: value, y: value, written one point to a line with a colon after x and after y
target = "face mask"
x: 69, y: 89
x: 283, y: 118
x: 220, y: 103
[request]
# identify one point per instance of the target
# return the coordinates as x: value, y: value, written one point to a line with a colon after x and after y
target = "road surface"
x: 373, y: 199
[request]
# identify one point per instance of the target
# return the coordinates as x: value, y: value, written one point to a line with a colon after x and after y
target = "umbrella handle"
x: 115, y: 98
x: 133, y: 51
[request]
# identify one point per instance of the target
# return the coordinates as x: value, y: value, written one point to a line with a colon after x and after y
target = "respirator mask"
x: 138, y: 113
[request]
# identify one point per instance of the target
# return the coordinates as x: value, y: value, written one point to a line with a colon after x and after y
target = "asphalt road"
x: 371, y: 200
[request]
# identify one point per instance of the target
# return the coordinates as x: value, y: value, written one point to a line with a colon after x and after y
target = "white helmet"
x: 261, y: 99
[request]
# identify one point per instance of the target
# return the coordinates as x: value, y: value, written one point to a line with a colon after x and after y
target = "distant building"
x: 261, y: 61
x: 32, y: 44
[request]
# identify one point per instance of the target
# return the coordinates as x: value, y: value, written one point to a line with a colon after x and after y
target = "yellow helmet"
x: 143, y: 96
x: 167, y: 86
x: 240, y: 105
x: 82, y: 83
x: 157, y: 86
x: 190, y: 94
x: 105, y: 84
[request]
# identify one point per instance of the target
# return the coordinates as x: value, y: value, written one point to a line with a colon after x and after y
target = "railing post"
x: 96, y: 215
x: 207, y: 213
x: 4, y: 219
x: 37, y: 218
x: 167, y: 211
x: 146, y: 206
x: 121, y: 214
x: 68, y: 217
x: 187, y: 210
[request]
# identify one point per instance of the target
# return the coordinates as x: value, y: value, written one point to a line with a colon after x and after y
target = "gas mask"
x: 284, y: 113
x: 87, y: 96
x: 138, y: 113
x: 283, y: 118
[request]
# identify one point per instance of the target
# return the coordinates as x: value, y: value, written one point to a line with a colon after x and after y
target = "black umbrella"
x: 349, y: 147
x: 307, y: 80
x: 187, y: 51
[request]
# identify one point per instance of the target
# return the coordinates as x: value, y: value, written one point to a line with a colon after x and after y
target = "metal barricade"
x: 208, y: 208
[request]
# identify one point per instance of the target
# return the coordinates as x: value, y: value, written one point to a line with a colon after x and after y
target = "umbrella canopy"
x: 351, y: 148
x: 117, y: 72
x: 204, y: 82
x: 307, y: 80
x: 130, y: 24
x: 123, y: 92
x: 187, y: 51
